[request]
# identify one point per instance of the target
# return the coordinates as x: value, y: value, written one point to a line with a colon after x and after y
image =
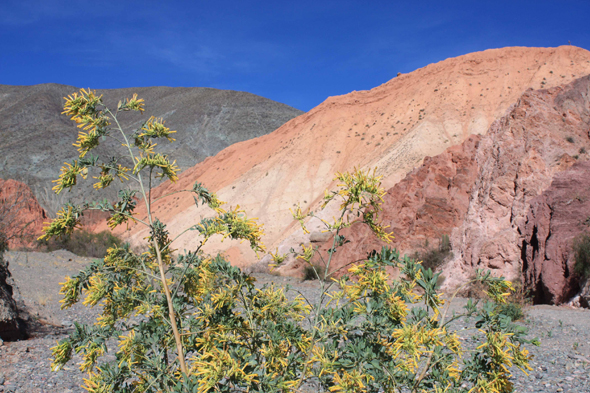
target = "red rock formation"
x: 481, y: 191
x: 538, y: 137
x: 555, y: 218
x: 429, y: 202
x: 21, y: 217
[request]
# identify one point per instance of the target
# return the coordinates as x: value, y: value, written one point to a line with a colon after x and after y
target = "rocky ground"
x: 561, y: 363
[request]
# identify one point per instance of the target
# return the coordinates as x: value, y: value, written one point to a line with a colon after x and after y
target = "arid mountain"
x: 37, y: 139
x: 555, y: 219
x: 488, y: 195
x: 391, y: 127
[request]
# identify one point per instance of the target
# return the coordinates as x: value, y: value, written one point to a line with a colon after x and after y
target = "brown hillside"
x: 37, y: 139
x: 392, y: 127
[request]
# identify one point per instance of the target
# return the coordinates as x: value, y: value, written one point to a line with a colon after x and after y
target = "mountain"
x: 508, y: 200
x: 37, y: 139
x: 391, y: 127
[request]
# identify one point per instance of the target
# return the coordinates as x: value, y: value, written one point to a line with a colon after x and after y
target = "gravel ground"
x: 560, y: 364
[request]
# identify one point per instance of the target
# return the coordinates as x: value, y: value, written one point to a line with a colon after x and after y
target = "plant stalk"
x: 171, y: 313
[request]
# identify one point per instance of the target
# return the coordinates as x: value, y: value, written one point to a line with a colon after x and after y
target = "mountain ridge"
x: 391, y: 127
x: 207, y: 119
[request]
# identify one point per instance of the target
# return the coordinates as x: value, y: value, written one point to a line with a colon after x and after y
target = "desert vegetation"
x: 83, y: 243
x: 194, y: 323
x: 433, y: 257
x: 581, y: 250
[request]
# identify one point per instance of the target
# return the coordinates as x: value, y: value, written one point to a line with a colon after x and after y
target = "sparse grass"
x: 84, y: 243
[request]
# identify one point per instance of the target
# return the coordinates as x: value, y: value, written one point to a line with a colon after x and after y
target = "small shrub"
x: 84, y: 243
x: 432, y: 258
x: 513, y: 310
x: 581, y: 250
x: 570, y: 139
x: 313, y: 272
x: 582, y: 150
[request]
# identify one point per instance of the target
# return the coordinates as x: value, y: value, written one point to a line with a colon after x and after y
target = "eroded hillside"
x: 391, y: 127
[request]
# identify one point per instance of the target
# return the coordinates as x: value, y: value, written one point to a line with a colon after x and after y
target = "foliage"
x: 313, y: 272
x: 513, y: 311
x: 434, y: 257
x: 194, y: 323
x: 582, y: 256
x: 84, y: 243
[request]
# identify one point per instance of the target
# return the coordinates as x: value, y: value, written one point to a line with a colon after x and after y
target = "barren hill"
x: 391, y: 127
x: 492, y: 195
x: 37, y: 139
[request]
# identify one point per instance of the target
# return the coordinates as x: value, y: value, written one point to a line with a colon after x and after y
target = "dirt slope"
x: 392, y: 127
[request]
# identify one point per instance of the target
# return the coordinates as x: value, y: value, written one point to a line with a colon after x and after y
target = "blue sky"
x: 295, y: 52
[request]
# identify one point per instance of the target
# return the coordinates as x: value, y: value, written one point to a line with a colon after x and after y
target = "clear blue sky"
x: 296, y: 52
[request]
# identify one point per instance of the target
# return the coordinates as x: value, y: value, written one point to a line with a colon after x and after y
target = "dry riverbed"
x: 560, y: 364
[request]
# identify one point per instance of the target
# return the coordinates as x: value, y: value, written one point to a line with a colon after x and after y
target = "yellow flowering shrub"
x: 194, y: 323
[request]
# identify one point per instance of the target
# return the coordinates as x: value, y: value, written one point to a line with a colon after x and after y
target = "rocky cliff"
x: 545, y: 132
x: 492, y: 194
x: 21, y: 221
x: 555, y: 218
x: 21, y: 216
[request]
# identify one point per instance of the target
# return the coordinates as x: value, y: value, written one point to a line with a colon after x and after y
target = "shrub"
x: 582, y: 256
x: 432, y: 258
x: 513, y: 311
x: 570, y: 139
x: 313, y: 272
x: 194, y: 323
x: 84, y: 243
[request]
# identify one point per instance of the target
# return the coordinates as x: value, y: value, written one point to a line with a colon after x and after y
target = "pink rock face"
x: 538, y: 137
x: 480, y: 192
x: 429, y: 202
x: 554, y: 220
x: 21, y: 217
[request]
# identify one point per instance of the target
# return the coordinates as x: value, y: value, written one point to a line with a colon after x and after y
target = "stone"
x: 11, y: 326
x: 21, y: 216
x: 555, y: 219
x: 320, y: 237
